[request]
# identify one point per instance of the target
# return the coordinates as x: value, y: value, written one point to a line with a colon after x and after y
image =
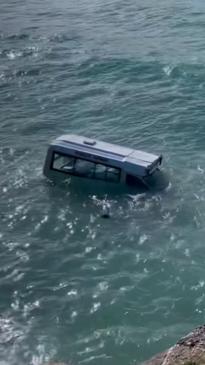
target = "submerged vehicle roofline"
x: 129, y: 161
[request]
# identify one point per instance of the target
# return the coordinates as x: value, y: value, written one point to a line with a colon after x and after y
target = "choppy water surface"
x: 74, y: 286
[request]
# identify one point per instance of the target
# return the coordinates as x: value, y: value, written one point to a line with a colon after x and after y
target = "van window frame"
x: 93, y: 177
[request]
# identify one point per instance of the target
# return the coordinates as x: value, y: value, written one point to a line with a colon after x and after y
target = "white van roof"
x: 103, y: 148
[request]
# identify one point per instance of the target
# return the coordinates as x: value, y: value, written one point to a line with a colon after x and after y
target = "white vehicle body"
x: 73, y: 155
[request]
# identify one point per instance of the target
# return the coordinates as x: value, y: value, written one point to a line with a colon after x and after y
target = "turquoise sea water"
x: 74, y: 286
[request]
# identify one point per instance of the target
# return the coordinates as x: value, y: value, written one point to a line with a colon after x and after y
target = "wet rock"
x: 190, y: 350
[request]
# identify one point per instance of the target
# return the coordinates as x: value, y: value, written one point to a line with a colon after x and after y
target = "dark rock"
x: 190, y: 350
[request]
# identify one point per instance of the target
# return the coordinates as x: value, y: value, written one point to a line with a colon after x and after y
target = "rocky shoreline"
x: 190, y: 350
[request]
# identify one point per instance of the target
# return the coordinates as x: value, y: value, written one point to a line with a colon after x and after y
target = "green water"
x: 75, y: 286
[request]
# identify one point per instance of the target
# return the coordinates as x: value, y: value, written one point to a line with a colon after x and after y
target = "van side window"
x: 85, y: 168
x: 63, y: 163
x: 113, y: 174
x: 100, y: 171
x: 107, y: 173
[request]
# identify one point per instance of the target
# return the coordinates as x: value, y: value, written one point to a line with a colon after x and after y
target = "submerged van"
x: 77, y: 156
